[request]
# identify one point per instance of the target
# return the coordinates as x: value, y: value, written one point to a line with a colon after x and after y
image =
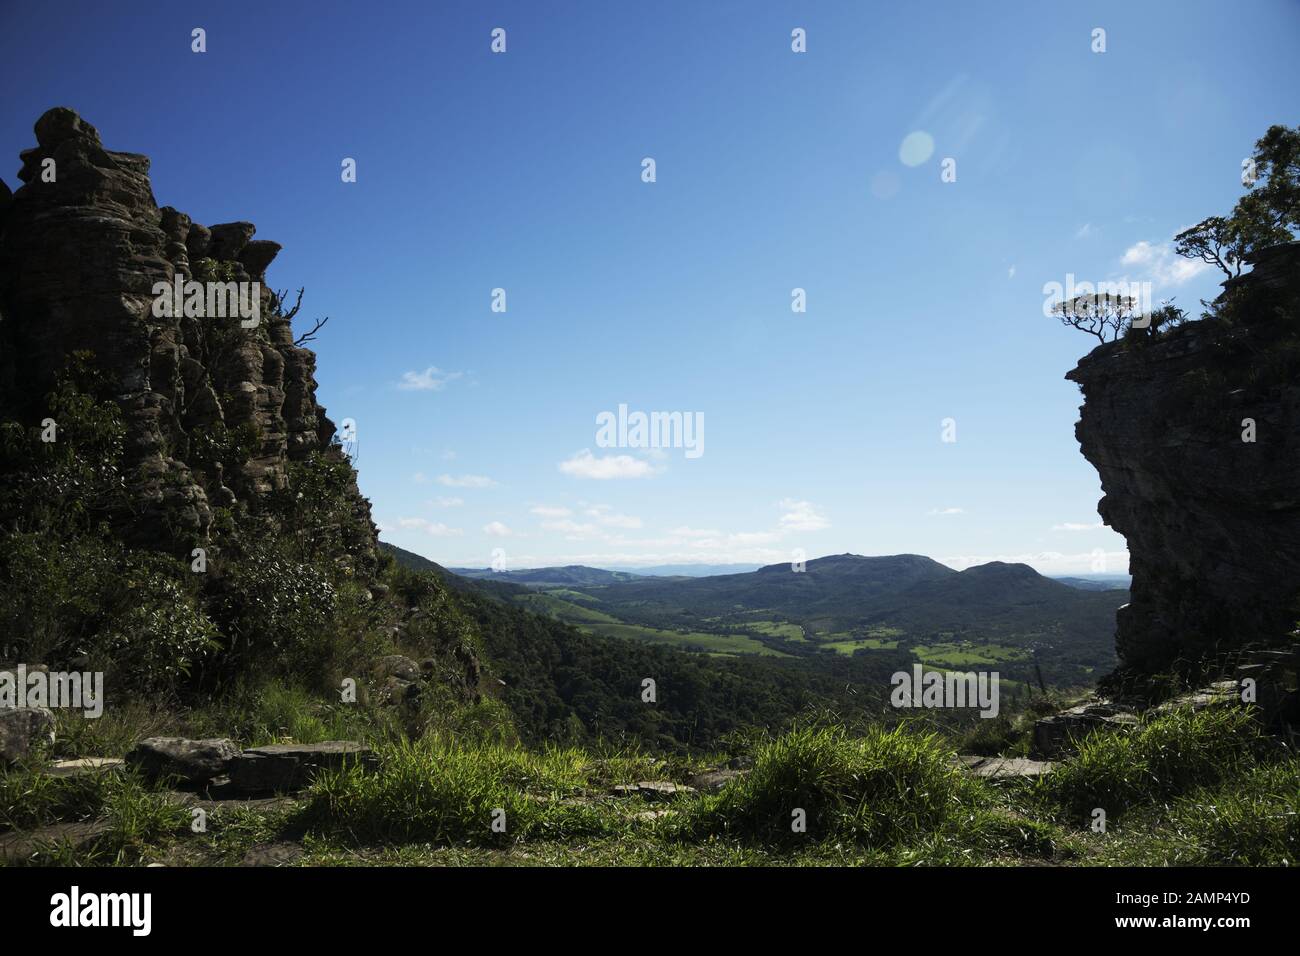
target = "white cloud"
x: 1011, y: 273
x: 1158, y: 263
x: 432, y: 379
x: 465, y: 481
x: 1077, y: 526
x: 443, y: 502
x: 572, y: 529
x: 685, y: 532
x: 1086, y: 231
x: 435, y: 528
x: 801, y: 516
x: 584, y: 464
x: 611, y: 519
x: 497, y: 530
x: 543, y: 511
x: 947, y: 511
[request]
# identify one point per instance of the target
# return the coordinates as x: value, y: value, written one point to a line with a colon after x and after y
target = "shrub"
x: 1164, y: 757
x: 875, y: 790
x: 441, y: 792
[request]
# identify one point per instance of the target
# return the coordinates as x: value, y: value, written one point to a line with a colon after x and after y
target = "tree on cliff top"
x: 1268, y: 214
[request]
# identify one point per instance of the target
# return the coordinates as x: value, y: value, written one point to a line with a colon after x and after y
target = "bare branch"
x: 280, y: 298
x: 309, y: 336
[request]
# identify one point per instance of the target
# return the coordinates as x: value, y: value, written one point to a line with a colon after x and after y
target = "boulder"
x: 285, y: 768
x: 190, y: 761
x: 396, y: 665
x: 22, y: 729
x: 1057, y: 735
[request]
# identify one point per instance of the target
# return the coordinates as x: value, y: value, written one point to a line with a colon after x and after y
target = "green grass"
x: 1187, y: 788
x: 568, y: 594
x: 869, y: 643
x: 791, y: 632
x: 876, y: 790
x: 446, y: 793
x: 135, y: 815
x: 729, y: 644
x: 1162, y: 758
x: 598, y: 622
x: 965, y: 654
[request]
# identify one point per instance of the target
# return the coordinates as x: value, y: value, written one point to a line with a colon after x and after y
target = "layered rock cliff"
x: 82, y: 245
x: 1196, y: 435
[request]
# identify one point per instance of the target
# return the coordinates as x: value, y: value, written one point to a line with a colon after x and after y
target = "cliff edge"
x: 1196, y: 435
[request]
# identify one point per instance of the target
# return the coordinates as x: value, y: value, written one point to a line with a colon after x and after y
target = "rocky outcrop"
x: 189, y: 761
x: 23, y: 730
x: 1196, y: 435
x: 286, y: 768
x: 82, y: 244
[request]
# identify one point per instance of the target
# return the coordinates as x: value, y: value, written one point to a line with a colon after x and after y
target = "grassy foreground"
x: 1200, y: 788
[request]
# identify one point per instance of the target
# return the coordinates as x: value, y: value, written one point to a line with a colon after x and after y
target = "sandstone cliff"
x: 1212, y: 518
x: 79, y: 258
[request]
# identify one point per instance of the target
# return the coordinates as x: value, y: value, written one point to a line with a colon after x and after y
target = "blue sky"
x: 775, y: 170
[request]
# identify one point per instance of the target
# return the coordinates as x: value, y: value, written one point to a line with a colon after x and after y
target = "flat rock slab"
x: 286, y: 768
x: 190, y: 761
x: 1057, y: 734
x: 20, y: 845
x: 1006, y: 768
x: 220, y: 799
x: 651, y: 815
x: 273, y: 854
x: 715, y: 779
x: 84, y: 765
x: 653, y: 789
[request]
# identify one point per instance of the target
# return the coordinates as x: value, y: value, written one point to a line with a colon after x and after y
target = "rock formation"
x: 1195, y: 432
x: 79, y: 259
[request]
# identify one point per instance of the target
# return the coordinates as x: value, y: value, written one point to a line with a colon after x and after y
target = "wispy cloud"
x: 801, y: 516
x: 444, y: 502
x: 466, y: 481
x: 573, y: 530
x: 435, y: 528
x: 544, y: 511
x: 497, y: 530
x: 432, y: 379
x: 612, y: 519
x: 1077, y: 526
x: 947, y: 511
x: 584, y: 464
x: 1159, y: 264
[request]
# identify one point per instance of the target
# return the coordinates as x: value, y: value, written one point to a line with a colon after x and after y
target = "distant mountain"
x: 690, y: 570
x: 908, y: 596
x: 831, y: 587
x: 1097, y: 582
x: 573, y: 575
x: 411, y: 560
